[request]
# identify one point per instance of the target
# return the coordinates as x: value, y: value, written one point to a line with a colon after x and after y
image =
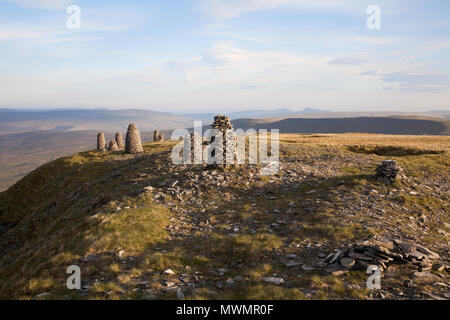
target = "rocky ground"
x: 233, y: 233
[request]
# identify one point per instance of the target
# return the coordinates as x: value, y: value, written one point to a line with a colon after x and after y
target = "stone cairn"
x: 158, y: 136
x: 113, y: 146
x: 133, y: 142
x: 223, y: 124
x: 101, y: 142
x: 361, y: 256
x: 119, y: 140
x: 389, y: 171
x: 196, y: 150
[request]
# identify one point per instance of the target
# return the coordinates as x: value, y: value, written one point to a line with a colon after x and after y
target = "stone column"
x: 113, y: 146
x: 119, y: 140
x: 101, y: 143
x: 133, y: 142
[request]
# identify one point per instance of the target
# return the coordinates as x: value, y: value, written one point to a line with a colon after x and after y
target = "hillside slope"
x: 23, y: 152
x: 225, y: 233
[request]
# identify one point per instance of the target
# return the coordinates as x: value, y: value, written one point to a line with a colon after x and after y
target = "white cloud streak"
x: 43, y: 4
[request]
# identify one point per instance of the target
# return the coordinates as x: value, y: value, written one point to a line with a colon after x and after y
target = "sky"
x: 225, y: 55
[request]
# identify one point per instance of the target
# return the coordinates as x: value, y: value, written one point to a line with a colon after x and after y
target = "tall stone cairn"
x: 119, y: 140
x: 389, y: 171
x: 196, y: 149
x: 223, y: 124
x: 113, y: 146
x: 158, y: 136
x: 133, y: 143
x: 101, y: 142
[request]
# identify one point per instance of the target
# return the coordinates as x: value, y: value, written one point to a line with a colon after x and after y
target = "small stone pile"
x: 119, y: 140
x: 113, y: 146
x: 158, y: 136
x: 101, y: 142
x: 133, y: 142
x: 361, y: 256
x: 389, y: 171
x: 223, y: 124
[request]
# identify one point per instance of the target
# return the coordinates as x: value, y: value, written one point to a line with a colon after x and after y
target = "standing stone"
x: 119, y: 140
x: 158, y: 136
x: 113, y: 146
x: 101, y: 143
x: 133, y: 143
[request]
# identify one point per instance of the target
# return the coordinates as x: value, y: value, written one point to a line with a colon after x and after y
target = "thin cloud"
x: 228, y: 9
x: 43, y: 4
x: 347, y: 61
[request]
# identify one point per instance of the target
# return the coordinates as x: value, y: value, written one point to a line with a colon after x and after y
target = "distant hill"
x: 382, y: 125
x: 23, y: 152
x: 258, y: 113
x: 17, y: 121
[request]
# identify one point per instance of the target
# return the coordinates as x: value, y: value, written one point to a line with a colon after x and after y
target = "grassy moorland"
x: 225, y: 233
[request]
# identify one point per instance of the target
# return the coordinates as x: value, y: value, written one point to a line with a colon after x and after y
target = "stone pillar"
x: 158, y: 136
x: 133, y: 142
x: 101, y: 143
x: 119, y: 140
x: 223, y: 124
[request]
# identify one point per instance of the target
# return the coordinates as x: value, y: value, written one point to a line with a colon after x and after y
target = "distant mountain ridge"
x: 255, y: 114
x: 380, y: 125
x: 17, y: 121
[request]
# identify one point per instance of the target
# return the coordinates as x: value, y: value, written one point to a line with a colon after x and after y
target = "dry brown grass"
x: 441, y: 143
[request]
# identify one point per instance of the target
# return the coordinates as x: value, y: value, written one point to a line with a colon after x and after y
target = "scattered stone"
x: 180, y: 295
x: 290, y: 264
x: 43, y: 295
x: 360, y: 256
x: 101, y: 142
x: 348, y: 262
x: 274, y: 280
x: 439, y: 267
x: 148, y: 189
x: 133, y: 143
x: 169, y: 271
x: 308, y: 268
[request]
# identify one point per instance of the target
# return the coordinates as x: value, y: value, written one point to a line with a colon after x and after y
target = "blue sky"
x: 225, y: 55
